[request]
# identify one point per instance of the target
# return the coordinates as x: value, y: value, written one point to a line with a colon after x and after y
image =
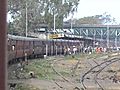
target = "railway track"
x: 75, y: 87
x: 73, y: 70
x: 96, y: 70
x: 52, y: 61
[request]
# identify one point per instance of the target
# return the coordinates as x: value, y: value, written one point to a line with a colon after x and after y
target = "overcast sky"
x: 97, y: 7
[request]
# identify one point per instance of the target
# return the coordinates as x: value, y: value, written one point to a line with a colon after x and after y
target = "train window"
x: 8, y: 39
x: 13, y: 47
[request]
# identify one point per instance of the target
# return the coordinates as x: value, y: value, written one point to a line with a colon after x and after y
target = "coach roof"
x: 21, y: 37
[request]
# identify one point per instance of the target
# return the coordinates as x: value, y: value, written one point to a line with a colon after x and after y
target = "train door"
x: 26, y: 48
x: 40, y: 48
x: 31, y: 49
x: 52, y: 47
x: 62, y: 47
x: 57, y: 47
x: 11, y: 49
x: 44, y: 48
x: 35, y: 48
x: 19, y: 49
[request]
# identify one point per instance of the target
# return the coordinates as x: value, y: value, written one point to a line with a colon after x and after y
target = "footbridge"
x: 103, y: 35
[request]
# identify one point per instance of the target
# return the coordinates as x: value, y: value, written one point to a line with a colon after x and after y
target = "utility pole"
x: 72, y: 27
x: 116, y: 39
x: 101, y: 38
x: 107, y: 36
x: 94, y: 38
x: 26, y: 11
x: 71, y: 22
x: 54, y: 22
x: 54, y: 30
x: 46, y: 52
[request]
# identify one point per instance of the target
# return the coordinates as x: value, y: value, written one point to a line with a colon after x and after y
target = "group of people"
x: 96, y: 49
x: 69, y: 51
x: 73, y: 50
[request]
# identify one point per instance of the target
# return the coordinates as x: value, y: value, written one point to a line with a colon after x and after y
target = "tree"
x: 103, y: 19
x: 40, y: 11
x: 17, y: 9
x: 90, y: 20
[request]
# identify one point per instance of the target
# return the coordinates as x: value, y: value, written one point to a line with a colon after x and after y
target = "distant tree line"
x: 103, y: 19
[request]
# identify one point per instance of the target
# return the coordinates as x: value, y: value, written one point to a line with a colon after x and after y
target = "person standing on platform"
x: 69, y: 51
x: 74, y: 50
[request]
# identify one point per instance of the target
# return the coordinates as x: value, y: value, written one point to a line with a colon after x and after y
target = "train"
x: 20, y: 47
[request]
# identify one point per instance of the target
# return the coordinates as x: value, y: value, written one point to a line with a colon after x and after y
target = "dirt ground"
x: 59, y: 83
x: 65, y: 73
x: 66, y: 76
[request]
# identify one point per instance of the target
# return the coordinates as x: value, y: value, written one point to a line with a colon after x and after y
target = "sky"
x: 98, y: 7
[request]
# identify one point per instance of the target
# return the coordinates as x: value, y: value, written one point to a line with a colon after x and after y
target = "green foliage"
x: 42, y: 69
x: 39, y: 11
x: 105, y: 18
x: 90, y: 20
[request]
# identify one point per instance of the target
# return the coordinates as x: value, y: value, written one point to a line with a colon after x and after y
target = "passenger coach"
x: 20, y: 47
